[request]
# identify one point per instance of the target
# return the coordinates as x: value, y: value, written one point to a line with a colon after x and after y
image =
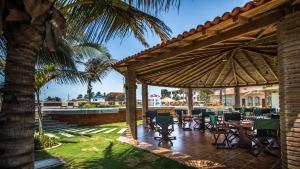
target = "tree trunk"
x: 89, y: 91
x: 17, y: 115
x: 40, y: 116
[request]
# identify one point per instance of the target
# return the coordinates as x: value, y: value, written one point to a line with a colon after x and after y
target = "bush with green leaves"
x: 42, y: 142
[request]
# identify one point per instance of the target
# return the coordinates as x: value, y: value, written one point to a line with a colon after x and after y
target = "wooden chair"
x: 150, y: 115
x: 233, y: 130
x: 218, y: 129
x: 165, y: 126
x: 265, y: 137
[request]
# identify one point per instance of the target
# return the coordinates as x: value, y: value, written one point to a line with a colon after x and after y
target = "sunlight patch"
x: 90, y: 149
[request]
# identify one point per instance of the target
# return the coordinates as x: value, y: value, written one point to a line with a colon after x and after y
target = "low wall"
x: 95, y: 117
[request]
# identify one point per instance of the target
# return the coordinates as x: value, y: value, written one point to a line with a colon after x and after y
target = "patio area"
x: 202, y: 154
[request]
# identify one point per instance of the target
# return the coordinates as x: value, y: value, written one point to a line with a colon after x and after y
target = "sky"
x: 190, y: 14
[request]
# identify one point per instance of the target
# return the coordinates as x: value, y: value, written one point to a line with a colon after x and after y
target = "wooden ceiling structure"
x: 237, y: 49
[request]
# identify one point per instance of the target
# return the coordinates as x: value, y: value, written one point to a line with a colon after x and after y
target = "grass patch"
x: 103, y: 151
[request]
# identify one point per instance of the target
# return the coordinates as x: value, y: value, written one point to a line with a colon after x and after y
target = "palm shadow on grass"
x: 129, y: 158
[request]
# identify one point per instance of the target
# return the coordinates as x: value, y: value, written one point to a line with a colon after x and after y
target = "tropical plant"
x: 95, y: 70
x: 28, y: 25
x: 49, y: 73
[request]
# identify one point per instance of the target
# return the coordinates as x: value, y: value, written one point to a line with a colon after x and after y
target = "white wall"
x: 275, y: 100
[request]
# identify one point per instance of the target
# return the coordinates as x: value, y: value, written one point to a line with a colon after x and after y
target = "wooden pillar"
x: 130, y: 82
x: 144, y: 102
x: 289, y: 88
x: 190, y: 101
x: 221, y: 97
x: 237, y: 97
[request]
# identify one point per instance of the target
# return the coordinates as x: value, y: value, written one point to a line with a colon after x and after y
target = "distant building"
x: 115, y: 96
x: 258, y: 96
x: 97, y: 99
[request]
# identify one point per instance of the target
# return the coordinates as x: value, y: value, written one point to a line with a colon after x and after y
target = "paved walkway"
x: 72, y: 131
x: 48, y: 163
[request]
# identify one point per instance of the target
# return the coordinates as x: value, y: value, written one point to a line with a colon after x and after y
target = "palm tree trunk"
x: 17, y: 114
x: 89, y: 90
x: 40, y: 116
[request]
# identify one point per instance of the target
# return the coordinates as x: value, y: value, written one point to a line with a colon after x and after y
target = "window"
x: 257, y: 101
x: 250, y: 101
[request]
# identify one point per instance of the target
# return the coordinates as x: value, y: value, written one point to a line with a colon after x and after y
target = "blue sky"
x: 191, y: 13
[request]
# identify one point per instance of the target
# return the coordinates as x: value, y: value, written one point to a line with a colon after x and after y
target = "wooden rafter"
x: 234, y: 72
x: 245, y: 71
x: 269, y: 67
x: 224, y: 67
x: 198, y: 65
x: 204, y: 70
x: 253, y: 65
x: 208, y: 73
x: 203, y: 65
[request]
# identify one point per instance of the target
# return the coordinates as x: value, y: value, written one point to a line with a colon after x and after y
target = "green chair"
x: 266, y: 136
x: 150, y: 115
x: 165, y: 126
x: 220, y: 115
x: 218, y: 129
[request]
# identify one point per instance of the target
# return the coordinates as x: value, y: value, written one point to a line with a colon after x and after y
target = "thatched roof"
x: 237, y: 49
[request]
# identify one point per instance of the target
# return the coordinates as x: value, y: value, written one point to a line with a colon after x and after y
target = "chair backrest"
x: 232, y: 116
x: 151, y: 114
x: 164, y: 114
x: 180, y: 112
x: 220, y: 113
x: 266, y: 124
x: 164, y: 120
x: 196, y: 111
x: 212, y: 119
x: 207, y: 114
x: 275, y: 116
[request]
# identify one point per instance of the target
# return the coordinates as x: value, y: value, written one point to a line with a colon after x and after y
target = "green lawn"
x: 103, y: 151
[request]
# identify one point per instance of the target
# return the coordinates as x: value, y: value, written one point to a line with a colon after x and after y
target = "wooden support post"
x: 237, y: 97
x: 221, y: 97
x: 190, y: 101
x: 289, y: 89
x: 144, y: 102
x: 130, y: 82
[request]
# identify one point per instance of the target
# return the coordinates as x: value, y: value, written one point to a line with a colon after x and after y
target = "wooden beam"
x: 253, y: 65
x: 244, y: 69
x: 265, y: 20
x: 202, y: 67
x: 225, y: 65
x: 185, y: 73
x: 269, y: 67
x: 144, y: 102
x: 130, y: 82
x: 234, y: 72
x: 202, y: 75
x: 190, y: 101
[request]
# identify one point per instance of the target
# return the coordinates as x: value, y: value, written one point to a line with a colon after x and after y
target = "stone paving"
x: 194, y: 148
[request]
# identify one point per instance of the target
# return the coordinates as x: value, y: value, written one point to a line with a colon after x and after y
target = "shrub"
x: 41, y: 142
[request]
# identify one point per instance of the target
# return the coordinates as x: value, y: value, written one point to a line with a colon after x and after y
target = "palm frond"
x: 106, y: 19
x: 63, y: 57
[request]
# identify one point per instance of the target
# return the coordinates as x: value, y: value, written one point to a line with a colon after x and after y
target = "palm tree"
x: 95, y: 70
x: 29, y: 25
x: 47, y: 74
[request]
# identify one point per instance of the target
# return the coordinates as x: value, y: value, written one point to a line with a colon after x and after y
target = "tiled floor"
x: 198, y: 145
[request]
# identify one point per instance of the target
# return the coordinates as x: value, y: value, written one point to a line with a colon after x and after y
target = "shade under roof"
x: 237, y: 49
